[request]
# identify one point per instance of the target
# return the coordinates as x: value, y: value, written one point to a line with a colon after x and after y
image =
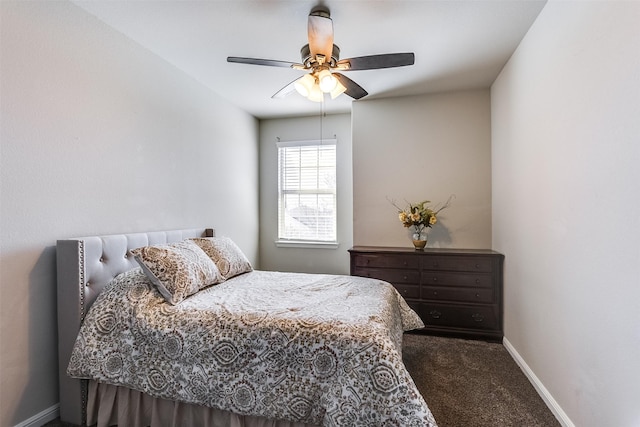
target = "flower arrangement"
x: 420, y: 215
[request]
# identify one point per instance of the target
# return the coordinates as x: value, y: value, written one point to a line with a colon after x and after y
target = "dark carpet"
x: 473, y: 384
x: 468, y: 384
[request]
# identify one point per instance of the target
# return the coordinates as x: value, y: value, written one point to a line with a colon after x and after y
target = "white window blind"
x: 307, y: 191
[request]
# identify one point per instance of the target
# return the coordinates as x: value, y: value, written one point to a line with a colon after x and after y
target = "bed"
x: 252, y: 348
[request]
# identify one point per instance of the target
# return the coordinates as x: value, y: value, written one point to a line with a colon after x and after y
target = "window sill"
x: 306, y: 244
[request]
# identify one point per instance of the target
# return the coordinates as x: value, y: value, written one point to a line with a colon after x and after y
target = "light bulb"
x: 327, y: 81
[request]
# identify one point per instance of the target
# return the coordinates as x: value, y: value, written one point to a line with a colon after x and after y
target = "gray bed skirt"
x: 110, y: 405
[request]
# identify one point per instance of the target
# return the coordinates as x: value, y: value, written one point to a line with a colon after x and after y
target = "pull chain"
x: 321, y: 115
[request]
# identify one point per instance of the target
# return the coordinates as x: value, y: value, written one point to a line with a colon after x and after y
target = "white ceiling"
x: 457, y: 44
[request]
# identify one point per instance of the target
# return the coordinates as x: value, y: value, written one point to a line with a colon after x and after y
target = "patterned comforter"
x: 320, y: 349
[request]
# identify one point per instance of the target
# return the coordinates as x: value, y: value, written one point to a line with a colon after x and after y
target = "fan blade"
x: 258, y: 61
x: 285, y: 91
x: 372, y: 62
x: 320, y: 33
x: 354, y: 90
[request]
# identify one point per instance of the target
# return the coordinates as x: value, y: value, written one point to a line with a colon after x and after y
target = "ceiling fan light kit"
x: 321, y: 59
x: 314, y: 86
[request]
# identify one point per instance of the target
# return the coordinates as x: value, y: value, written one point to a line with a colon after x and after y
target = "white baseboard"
x: 41, y: 418
x: 557, y: 411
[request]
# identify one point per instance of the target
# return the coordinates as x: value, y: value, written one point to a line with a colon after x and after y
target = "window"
x: 307, y: 192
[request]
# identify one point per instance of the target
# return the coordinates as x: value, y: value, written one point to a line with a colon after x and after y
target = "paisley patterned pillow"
x: 177, y: 269
x: 230, y: 260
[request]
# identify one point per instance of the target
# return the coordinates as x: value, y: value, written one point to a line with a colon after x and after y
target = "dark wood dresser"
x: 456, y: 292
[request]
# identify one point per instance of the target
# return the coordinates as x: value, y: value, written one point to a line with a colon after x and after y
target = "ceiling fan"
x: 321, y: 58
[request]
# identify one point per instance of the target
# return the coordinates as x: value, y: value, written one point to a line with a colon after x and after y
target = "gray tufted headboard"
x: 85, y: 266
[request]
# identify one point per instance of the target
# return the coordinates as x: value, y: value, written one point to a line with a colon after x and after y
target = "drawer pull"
x: 477, y: 317
x: 477, y: 281
x: 435, y: 314
x: 435, y: 293
x: 477, y: 295
x: 405, y: 278
x: 435, y: 279
x: 405, y: 263
x: 477, y: 265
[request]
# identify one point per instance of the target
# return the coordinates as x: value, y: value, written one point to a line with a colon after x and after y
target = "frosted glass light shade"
x: 327, y: 81
x: 305, y: 84
x: 339, y: 89
x: 315, y: 94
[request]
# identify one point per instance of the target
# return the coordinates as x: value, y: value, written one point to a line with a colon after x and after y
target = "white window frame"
x: 282, y: 240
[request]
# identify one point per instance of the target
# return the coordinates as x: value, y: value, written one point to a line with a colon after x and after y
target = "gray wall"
x: 99, y: 136
x: 423, y: 147
x: 307, y: 260
x: 566, y: 207
x: 410, y: 148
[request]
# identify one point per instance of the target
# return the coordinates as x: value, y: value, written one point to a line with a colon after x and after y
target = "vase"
x: 419, y: 240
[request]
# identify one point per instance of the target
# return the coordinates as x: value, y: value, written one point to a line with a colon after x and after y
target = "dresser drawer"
x: 470, y: 280
x: 471, y: 317
x: 386, y: 261
x: 458, y: 263
x: 408, y: 291
x: 479, y: 295
x: 390, y: 275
